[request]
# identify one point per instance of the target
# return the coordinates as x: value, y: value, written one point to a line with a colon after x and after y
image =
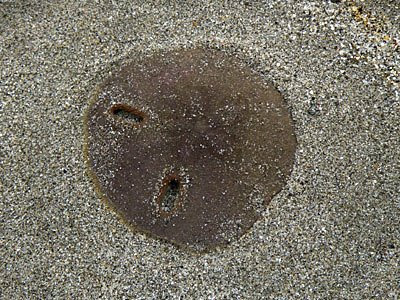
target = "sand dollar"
x: 189, y: 145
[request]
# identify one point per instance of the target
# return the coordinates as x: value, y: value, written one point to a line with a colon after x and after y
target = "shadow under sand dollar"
x: 189, y: 146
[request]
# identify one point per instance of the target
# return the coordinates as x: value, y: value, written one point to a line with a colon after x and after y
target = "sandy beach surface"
x: 333, y: 232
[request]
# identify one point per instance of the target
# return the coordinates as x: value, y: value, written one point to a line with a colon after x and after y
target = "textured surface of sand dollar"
x: 189, y: 145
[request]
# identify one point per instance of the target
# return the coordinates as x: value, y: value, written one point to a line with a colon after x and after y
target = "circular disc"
x: 189, y: 146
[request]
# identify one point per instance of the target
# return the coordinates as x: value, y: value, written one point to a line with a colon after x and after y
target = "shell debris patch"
x: 189, y: 146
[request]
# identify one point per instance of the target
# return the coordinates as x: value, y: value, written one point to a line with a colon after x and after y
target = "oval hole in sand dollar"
x: 127, y: 113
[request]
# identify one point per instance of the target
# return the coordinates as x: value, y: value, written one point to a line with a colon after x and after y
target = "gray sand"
x: 332, y: 232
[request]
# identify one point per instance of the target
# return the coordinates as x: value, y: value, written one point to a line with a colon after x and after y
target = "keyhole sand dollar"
x: 189, y: 146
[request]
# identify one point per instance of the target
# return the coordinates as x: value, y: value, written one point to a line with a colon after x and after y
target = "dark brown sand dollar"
x: 189, y: 146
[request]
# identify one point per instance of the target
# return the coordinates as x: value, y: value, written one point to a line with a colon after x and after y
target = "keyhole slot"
x: 128, y: 113
x: 169, y: 198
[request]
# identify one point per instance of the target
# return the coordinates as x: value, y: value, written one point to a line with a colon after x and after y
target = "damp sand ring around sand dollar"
x: 189, y: 146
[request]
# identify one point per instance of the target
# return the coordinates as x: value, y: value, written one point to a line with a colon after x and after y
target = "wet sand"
x: 332, y: 232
